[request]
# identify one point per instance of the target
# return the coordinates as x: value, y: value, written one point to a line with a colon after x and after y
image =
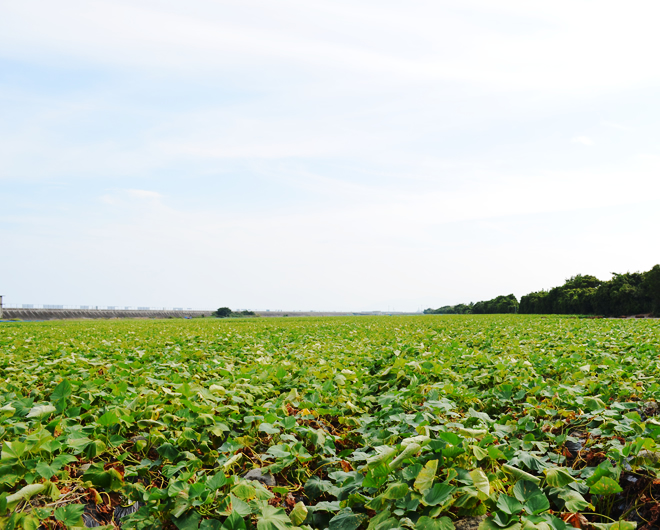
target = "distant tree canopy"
x: 501, y: 304
x: 576, y: 296
x: 651, y: 285
x: 460, y: 309
x: 225, y: 312
x: 630, y: 293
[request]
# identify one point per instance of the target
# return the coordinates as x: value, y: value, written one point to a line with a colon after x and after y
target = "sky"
x: 324, y: 155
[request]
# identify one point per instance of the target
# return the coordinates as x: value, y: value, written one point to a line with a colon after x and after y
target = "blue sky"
x: 327, y: 155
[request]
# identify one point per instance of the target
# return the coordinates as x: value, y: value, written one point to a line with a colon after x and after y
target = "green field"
x: 362, y: 422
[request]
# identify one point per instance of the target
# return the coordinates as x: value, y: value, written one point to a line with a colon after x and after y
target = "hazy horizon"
x: 349, y: 156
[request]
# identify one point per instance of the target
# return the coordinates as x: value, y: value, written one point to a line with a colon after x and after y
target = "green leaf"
x: 438, y: 494
x: 43, y: 513
x: 558, y: 477
x: 109, y: 418
x: 377, y: 504
x: 244, y: 491
x: 268, y: 428
x: 408, y: 451
x: 427, y: 523
x: 604, y: 469
x: 298, y: 514
x: 232, y: 461
x: 196, y: 490
x: 398, y: 490
x: 241, y: 507
x: 481, y: 482
x: 594, y: 404
x: 261, y: 492
x: 210, y: 524
x: 12, y: 450
x: 7, y: 410
x: 315, y: 487
x: 537, y: 504
x: 473, y: 433
x: 24, y: 494
x: 555, y: 523
x: 94, y: 448
x: 45, y: 470
x: 234, y: 522
x: 504, y: 520
x: 490, y: 524
x: 424, y: 480
x: 181, y: 504
x: 78, y: 443
x: 115, y: 440
x: 109, y: 480
x: 347, y: 520
x: 618, y: 525
x: 495, y: 454
x: 50, y: 490
x: 421, y: 439
x: 375, y: 477
x: 41, y: 410
x: 382, y: 517
x: 188, y: 521
x: 168, y: 452
x: 272, y: 518
x: 382, y: 454
x: 62, y: 460
x: 605, y: 486
x: 62, y: 391
x: 70, y: 515
x: 520, y: 474
x: 479, y: 452
x: 508, y: 504
x: 30, y: 522
x: 216, y: 481
x: 525, y: 490
x: 574, y: 501
x: 410, y: 472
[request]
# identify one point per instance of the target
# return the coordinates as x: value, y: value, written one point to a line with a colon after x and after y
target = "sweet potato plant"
x: 376, y: 423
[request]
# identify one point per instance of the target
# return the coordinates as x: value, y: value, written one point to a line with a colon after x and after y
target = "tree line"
x: 500, y: 304
x: 630, y: 293
x: 225, y: 312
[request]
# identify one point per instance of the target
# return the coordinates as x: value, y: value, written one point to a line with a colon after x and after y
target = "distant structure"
x: 0, y: 306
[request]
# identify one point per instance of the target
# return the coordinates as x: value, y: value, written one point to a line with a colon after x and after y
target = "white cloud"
x: 511, y: 46
x: 584, y: 140
x: 613, y: 125
x: 144, y: 194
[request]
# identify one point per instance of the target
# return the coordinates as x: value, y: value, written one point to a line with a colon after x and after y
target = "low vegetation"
x: 369, y: 423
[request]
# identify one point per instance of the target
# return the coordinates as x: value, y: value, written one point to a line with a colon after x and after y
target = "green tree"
x: 651, y: 287
x: 223, y: 312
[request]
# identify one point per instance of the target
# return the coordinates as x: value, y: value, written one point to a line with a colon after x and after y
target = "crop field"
x: 425, y: 422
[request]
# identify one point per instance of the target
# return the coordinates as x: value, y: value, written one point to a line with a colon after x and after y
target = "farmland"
x: 364, y: 422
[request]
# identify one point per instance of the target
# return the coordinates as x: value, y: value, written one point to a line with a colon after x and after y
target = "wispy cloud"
x: 144, y: 194
x: 584, y: 140
x: 613, y: 125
